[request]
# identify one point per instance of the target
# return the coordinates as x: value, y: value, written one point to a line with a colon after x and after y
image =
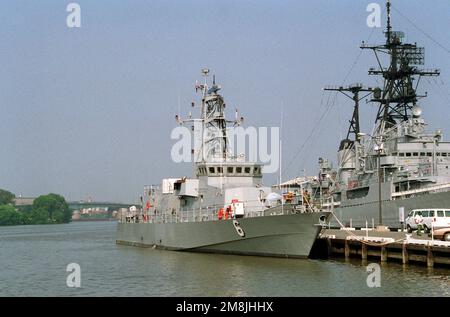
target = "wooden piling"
x: 430, y: 258
x: 347, y: 250
x: 384, y: 254
x: 329, y: 248
x: 405, y: 257
x: 363, y: 251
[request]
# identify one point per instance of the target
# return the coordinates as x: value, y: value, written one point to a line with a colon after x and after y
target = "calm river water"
x: 33, y: 261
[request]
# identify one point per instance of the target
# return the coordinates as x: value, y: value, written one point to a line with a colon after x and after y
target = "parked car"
x: 442, y: 234
x: 439, y: 217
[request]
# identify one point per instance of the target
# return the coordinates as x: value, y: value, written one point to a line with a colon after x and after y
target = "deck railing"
x: 210, y: 213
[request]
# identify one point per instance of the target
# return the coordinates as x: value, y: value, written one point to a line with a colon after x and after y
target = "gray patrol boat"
x: 400, y: 166
x: 225, y: 208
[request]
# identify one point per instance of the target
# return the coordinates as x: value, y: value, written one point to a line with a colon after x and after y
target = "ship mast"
x: 210, y: 130
x: 398, y: 95
x: 355, y: 89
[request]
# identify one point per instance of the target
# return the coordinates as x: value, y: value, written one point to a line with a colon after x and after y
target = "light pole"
x: 378, y: 148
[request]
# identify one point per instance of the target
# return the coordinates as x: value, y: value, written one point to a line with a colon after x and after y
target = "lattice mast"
x: 399, y: 94
x: 211, y: 143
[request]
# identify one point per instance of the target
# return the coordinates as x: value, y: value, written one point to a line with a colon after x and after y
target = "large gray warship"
x: 399, y: 164
x: 225, y: 208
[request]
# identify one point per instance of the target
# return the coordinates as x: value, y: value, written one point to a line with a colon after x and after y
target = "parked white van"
x: 439, y: 217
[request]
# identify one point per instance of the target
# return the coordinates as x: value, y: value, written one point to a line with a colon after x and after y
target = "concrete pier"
x: 385, y: 246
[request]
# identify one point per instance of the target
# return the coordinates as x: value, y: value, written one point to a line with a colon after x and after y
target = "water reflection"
x: 34, y: 259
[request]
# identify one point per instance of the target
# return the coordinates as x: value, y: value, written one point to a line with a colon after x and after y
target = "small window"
x: 408, y: 154
x: 424, y: 213
x: 211, y: 170
x: 447, y: 213
x: 230, y: 170
x: 423, y: 154
x: 401, y: 154
x: 444, y: 154
x: 256, y: 170
x: 415, y: 154
x: 247, y: 170
x: 432, y: 213
x: 239, y: 170
x: 429, y: 154
x: 440, y: 213
x: 220, y: 169
x: 438, y: 154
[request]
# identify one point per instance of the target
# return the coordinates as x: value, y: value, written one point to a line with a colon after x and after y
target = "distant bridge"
x: 76, y: 205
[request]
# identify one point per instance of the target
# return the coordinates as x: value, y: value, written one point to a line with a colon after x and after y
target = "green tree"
x: 39, y: 217
x: 26, y: 212
x: 56, y: 207
x: 6, y: 197
x: 9, y: 216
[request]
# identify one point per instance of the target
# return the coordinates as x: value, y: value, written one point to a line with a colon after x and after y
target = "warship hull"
x: 277, y: 236
x: 360, y: 213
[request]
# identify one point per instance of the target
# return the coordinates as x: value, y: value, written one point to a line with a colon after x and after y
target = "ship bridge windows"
x: 229, y: 171
x: 201, y: 171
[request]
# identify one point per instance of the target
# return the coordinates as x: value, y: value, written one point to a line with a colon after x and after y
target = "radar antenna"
x: 398, y: 95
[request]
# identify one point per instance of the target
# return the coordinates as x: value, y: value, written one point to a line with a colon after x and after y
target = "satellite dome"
x: 273, y: 197
x: 416, y: 111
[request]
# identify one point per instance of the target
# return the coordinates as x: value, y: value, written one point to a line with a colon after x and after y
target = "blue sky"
x: 87, y: 112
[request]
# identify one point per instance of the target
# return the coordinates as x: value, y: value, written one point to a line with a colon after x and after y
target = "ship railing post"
x: 432, y: 233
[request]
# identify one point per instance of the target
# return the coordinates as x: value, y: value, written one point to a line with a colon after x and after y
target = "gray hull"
x: 359, y: 213
x: 279, y: 236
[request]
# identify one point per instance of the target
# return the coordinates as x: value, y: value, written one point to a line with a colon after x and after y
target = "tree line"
x: 46, y: 209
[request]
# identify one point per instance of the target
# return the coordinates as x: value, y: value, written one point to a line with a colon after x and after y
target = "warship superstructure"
x: 400, y: 166
x: 224, y: 208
